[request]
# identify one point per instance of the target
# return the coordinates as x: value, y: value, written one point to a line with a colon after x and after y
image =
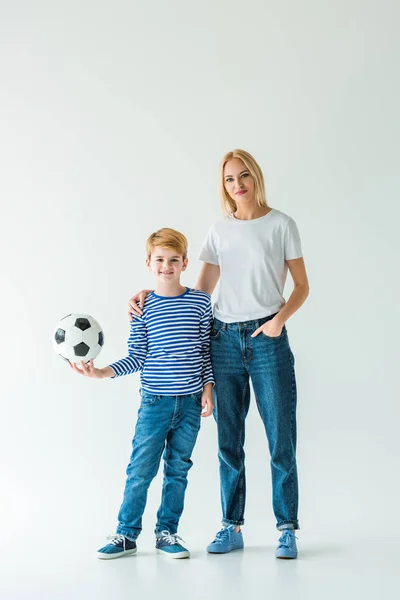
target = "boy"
x: 170, y: 346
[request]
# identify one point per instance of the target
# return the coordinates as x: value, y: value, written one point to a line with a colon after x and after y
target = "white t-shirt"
x: 251, y: 256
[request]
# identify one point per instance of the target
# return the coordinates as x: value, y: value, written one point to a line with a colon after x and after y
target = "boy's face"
x: 166, y: 265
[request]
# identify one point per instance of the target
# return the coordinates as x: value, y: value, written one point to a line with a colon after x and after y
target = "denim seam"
x: 292, y: 427
x: 239, y: 447
x: 176, y: 410
x: 247, y: 350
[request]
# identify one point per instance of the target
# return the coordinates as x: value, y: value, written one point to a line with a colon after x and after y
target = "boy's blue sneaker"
x: 287, y: 545
x: 226, y: 540
x: 118, y: 546
x: 167, y: 544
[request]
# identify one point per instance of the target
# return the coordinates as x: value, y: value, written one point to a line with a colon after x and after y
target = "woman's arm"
x: 300, y: 292
x: 273, y: 328
x: 208, y: 278
x: 133, y: 308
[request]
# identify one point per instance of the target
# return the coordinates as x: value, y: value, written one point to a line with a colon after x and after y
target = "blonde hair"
x: 228, y: 204
x: 167, y: 238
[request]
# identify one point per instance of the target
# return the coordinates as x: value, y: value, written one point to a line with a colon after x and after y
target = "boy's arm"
x: 137, y: 351
x: 205, y: 330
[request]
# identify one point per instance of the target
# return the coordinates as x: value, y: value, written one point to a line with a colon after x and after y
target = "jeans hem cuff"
x: 226, y: 522
x: 287, y: 525
x: 127, y: 534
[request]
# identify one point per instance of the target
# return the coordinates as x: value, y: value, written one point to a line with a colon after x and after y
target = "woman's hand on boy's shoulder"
x: 136, y: 303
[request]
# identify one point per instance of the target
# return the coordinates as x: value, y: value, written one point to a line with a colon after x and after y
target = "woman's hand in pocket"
x: 271, y: 328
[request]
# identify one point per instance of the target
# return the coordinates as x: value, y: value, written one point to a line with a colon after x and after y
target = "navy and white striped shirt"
x: 170, y: 344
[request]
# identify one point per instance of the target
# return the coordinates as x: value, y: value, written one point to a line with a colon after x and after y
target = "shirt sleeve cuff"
x: 208, y: 380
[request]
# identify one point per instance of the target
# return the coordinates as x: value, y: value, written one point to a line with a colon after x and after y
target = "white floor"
x: 50, y: 567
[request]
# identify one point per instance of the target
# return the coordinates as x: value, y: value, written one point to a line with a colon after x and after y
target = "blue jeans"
x: 169, y: 425
x: 269, y: 363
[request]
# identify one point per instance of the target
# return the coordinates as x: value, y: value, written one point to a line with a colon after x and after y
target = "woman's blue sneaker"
x: 226, y: 540
x: 118, y: 546
x: 287, y: 545
x: 167, y: 544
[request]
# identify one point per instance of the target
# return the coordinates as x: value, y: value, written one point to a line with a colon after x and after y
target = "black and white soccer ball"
x: 78, y: 337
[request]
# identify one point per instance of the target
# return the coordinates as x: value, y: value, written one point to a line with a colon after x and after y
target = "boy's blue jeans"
x: 169, y: 425
x: 269, y: 363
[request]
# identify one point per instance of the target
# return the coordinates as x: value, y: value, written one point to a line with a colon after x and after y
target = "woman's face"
x: 238, y: 181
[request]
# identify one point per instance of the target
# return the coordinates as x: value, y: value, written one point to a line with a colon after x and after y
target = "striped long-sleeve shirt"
x: 170, y: 344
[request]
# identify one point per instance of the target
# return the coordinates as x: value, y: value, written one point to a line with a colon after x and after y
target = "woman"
x: 250, y: 252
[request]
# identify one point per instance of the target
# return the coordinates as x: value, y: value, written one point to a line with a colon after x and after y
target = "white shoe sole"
x: 185, y: 554
x: 104, y: 556
x: 217, y: 551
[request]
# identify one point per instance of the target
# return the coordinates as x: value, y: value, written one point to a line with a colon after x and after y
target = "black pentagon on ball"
x: 59, y: 336
x: 101, y: 338
x: 82, y: 323
x: 81, y: 349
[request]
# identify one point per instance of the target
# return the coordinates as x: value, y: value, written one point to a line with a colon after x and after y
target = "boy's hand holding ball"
x: 89, y: 370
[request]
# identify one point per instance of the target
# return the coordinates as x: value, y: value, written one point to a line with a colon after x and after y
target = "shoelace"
x: 115, y: 538
x: 222, y: 535
x: 170, y: 538
x: 286, y: 538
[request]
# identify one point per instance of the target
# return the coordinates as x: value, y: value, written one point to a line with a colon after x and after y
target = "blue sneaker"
x: 226, y: 540
x: 118, y: 546
x: 167, y: 544
x: 287, y: 545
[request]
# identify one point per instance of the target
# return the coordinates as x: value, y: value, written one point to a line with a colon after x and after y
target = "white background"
x: 114, y: 117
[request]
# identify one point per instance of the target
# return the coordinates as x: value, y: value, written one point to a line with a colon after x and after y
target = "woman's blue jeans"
x: 268, y: 362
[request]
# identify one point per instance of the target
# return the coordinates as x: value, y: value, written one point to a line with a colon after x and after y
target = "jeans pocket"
x: 275, y: 337
x: 215, y: 331
x: 148, y: 399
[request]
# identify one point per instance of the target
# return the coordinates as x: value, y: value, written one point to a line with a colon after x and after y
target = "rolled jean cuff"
x: 127, y: 534
x: 226, y: 522
x: 288, y: 525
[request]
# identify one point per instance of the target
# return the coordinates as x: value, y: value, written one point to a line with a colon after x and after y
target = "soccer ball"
x: 78, y: 337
